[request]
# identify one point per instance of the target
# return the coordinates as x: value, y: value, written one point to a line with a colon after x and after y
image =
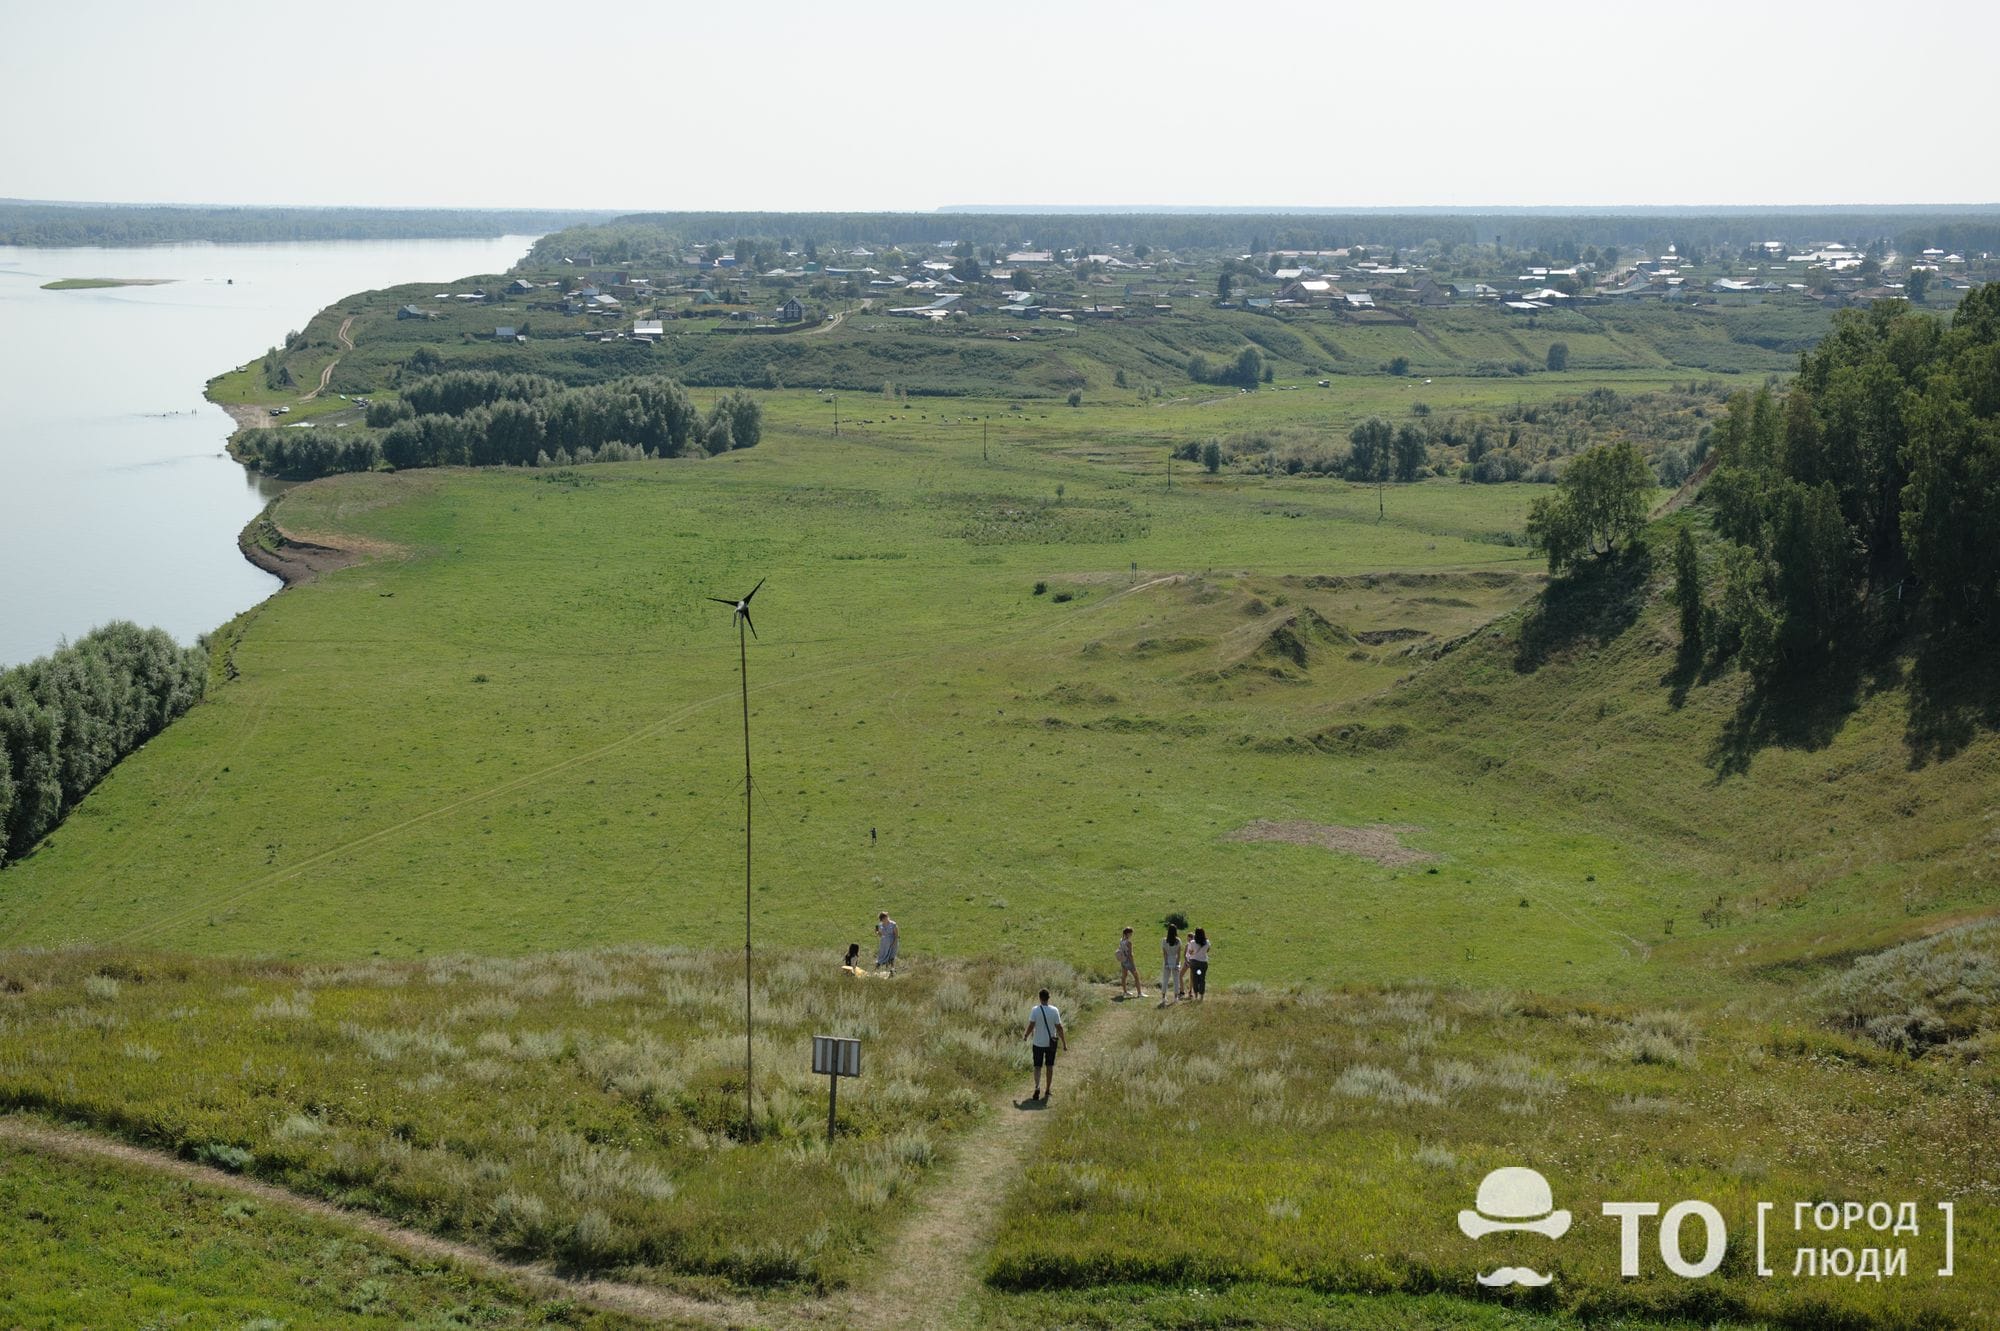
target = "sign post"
x: 835, y: 1057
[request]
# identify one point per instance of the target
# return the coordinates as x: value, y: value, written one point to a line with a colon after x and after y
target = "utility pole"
x: 742, y: 617
x: 1170, y: 469
x: 836, y: 418
x: 984, y: 422
x: 749, y: 1074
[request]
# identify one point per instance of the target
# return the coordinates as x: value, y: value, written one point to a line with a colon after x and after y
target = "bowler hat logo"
x: 1514, y: 1199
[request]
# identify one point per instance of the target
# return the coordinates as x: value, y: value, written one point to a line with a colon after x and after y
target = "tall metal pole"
x: 749, y: 1081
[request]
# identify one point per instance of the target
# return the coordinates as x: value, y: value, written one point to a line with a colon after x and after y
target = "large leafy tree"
x: 1599, y: 506
x: 1877, y: 473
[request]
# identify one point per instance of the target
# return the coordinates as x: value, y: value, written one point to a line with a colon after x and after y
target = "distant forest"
x: 63, y: 224
x: 1254, y: 233
x: 612, y: 236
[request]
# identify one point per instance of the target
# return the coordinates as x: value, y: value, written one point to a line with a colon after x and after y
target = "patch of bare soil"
x: 246, y: 416
x: 299, y: 557
x: 1380, y: 842
x: 931, y: 1273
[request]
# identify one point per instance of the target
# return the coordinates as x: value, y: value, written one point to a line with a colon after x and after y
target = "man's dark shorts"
x: 1045, y: 1056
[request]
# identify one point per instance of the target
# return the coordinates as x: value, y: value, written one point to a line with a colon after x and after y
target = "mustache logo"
x: 1513, y: 1275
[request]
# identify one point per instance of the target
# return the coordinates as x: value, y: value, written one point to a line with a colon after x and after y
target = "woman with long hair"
x: 1197, y: 963
x: 1170, y: 966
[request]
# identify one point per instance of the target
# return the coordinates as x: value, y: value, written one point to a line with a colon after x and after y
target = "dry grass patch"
x: 1380, y: 842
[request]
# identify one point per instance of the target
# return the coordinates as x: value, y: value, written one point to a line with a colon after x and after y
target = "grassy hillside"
x: 108, y: 1245
x: 990, y: 354
x: 1813, y: 825
x: 373, y: 1085
x: 514, y: 729
x: 1328, y: 1141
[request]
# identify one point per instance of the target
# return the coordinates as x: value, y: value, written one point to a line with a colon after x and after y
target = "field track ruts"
x: 616, y: 1296
x: 326, y: 375
x: 931, y: 1268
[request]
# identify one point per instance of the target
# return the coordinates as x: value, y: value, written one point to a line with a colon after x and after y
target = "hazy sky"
x: 880, y: 104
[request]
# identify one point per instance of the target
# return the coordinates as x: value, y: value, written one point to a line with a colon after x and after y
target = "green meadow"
x: 372, y: 1085
x: 515, y: 728
x: 109, y: 1245
x: 1272, y: 1141
x: 557, y: 763
x: 1494, y: 874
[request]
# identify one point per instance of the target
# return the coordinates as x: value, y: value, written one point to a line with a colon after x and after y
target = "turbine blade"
x: 746, y: 619
x: 753, y: 590
x: 719, y: 601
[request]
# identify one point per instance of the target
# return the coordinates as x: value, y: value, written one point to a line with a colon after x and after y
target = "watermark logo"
x: 1514, y: 1199
x: 1845, y: 1240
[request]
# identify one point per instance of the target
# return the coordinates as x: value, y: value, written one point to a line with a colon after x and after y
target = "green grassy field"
x: 373, y: 1084
x: 1015, y: 690
x: 514, y: 729
x: 1276, y: 1138
x: 101, y: 1245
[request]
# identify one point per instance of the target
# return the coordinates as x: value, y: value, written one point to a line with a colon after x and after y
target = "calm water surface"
x: 117, y: 500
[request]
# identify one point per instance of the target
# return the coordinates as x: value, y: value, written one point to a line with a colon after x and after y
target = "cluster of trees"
x: 1673, y: 429
x: 522, y: 420
x: 456, y: 392
x: 1670, y: 428
x: 304, y: 455
x: 476, y: 418
x: 66, y: 718
x: 1877, y: 472
x: 1247, y: 371
x: 1378, y: 451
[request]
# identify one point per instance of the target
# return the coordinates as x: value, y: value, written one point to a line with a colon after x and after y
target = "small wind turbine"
x: 742, y: 616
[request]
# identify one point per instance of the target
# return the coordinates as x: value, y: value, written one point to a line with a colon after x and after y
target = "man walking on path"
x: 885, y: 950
x: 1045, y: 1032
x: 1128, y: 969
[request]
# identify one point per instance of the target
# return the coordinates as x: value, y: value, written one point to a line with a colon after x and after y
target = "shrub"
x: 224, y: 1156
x: 1933, y: 993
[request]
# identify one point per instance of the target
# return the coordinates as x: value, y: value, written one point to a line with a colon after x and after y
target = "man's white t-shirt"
x: 1046, y: 1020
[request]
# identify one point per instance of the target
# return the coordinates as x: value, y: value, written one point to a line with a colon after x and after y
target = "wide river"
x: 117, y: 500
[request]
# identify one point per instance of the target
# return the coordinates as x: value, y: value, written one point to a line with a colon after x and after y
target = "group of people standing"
x: 1183, y: 966
x: 887, y: 936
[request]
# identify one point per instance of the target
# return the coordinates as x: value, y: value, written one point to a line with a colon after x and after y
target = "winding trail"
x: 931, y: 1268
x: 645, y: 1301
x: 326, y: 375
x: 935, y: 1264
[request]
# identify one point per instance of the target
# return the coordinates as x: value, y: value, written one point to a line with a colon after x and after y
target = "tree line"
x: 1858, y: 504
x: 1872, y: 485
x: 67, y: 718
x: 54, y: 225
x: 476, y: 418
